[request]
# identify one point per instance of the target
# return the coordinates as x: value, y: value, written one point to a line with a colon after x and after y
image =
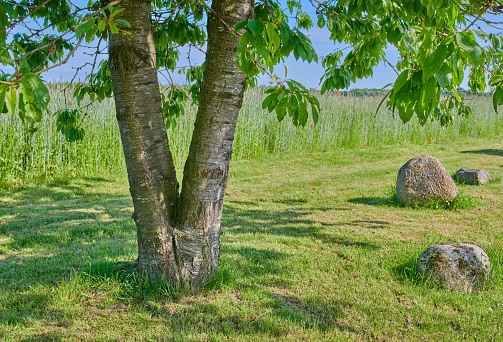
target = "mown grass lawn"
x: 314, y: 249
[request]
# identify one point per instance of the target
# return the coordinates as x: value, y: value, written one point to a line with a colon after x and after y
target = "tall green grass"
x: 344, y: 122
x: 46, y: 155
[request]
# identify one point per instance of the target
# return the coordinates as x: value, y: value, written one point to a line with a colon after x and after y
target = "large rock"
x: 472, y: 176
x: 457, y: 266
x: 423, y: 180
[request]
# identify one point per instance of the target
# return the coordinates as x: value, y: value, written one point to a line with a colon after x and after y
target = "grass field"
x: 314, y: 249
x: 344, y: 122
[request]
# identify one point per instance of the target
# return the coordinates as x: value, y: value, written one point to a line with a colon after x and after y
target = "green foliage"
x: 23, y: 92
x: 265, y: 44
x: 67, y: 124
x: 172, y: 107
x: 99, y: 86
x: 434, y: 52
x: 293, y: 101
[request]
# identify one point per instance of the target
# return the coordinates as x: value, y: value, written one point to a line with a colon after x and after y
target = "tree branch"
x: 478, y: 17
x: 65, y: 60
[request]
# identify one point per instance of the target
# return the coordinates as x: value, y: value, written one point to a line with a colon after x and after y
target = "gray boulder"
x: 422, y: 180
x: 456, y: 266
x: 472, y: 176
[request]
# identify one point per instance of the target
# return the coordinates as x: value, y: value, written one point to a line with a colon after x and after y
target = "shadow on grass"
x: 311, y: 313
x: 73, y: 233
x: 43, y: 337
x: 57, y: 191
x: 490, y: 152
x: 44, y: 237
x: 368, y: 224
x: 376, y: 201
x: 195, y: 315
x: 289, y: 223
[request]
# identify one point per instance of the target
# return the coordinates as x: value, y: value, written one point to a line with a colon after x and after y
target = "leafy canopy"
x: 440, y: 42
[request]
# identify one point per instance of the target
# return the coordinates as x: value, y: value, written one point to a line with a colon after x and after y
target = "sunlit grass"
x: 313, y: 249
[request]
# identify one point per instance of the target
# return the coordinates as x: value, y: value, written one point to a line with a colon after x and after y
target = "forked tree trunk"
x: 178, y: 239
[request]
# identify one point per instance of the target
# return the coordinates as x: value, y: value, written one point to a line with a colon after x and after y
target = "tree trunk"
x: 150, y: 167
x: 178, y: 239
x: 197, y: 231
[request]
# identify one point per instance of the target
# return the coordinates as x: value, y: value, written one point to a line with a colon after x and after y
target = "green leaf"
x: 294, y: 103
x: 240, y: 25
x: 281, y: 109
x: 81, y: 29
x: 10, y: 100
x: 493, y: 81
x: 475, y: 56
x: 5, y: 58
x: 428, y: 92
x: 113, y: 28
x: 497, y: 98
x: 102, y: 25
x: 30, y: 112
x: 91, y: 34
x: 444, y: 77
x: 400, y: 81
x: 38, y: 89
x: 115, y: 11
x: 273, y: 36
x: 303, y: 114
x: 405, y: 112
x: 405, y: 92
x: 321, y: 21
x: 267, y: 101
x: 124, y: 23
x: 434, y: 61
x: 466, y: 41
x: 256, y: 27
x: 496, y: 42
x: 481, y: 35
x: 3, y: 89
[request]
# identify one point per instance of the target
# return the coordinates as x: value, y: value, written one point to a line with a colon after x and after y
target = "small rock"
x: 423, y: 180
x: 457, y: 266
x: 472, y: 176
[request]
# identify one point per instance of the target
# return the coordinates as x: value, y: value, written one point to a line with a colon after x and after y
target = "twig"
x: 478, y: 17
x: 178, y: 6
x: 66, y: 59
x: 392, y: 67
x: 11, y: 26
x: 19, y: 5
x: 61, y: 36
x: 96, y: 55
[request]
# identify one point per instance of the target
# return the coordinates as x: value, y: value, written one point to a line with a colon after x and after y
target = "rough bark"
x: 150, y: 167
x: 197, y: 231
x: 178, y: 239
